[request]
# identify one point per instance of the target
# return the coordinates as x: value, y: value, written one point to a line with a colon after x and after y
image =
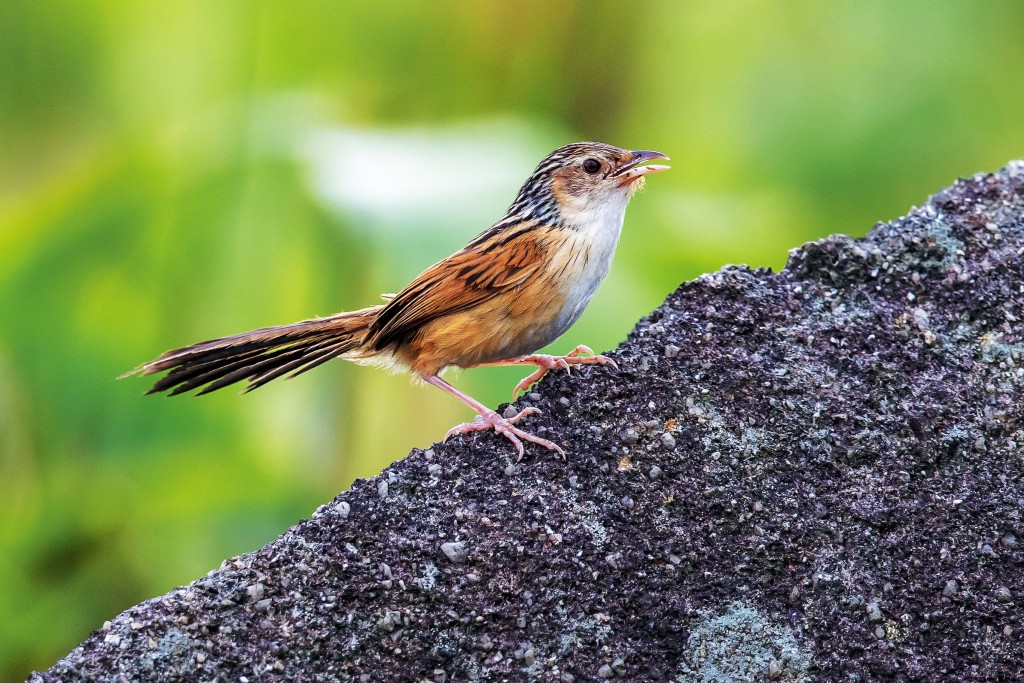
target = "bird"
x: 516, y: 287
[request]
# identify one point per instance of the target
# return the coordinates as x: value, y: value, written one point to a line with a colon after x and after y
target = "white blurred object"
x: 408, y: 178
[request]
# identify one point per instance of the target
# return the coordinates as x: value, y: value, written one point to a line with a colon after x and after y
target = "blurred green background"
x: 172, y: 172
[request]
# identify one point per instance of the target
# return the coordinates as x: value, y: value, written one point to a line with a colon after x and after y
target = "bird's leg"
x: 488, y: 419
x: 546, y: 363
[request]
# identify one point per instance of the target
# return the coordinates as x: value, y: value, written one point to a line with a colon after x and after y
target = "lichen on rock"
x: 741, y: 644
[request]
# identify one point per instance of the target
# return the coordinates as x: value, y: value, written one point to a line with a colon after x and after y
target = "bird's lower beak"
x: 631, y: 171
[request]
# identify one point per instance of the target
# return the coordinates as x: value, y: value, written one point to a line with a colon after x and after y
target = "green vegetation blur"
x: 173, y: 172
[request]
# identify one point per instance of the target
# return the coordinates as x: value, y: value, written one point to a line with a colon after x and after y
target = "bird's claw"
x: 546, y: 363
x: 505, y: 427
x: 580, y: 349
x: 594, y: 357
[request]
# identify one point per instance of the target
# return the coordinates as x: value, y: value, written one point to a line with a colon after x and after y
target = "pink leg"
x: 546, y: 363
x: 489, y: 419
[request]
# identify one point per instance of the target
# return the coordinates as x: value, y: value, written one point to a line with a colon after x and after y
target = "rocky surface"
x: 806, y: 475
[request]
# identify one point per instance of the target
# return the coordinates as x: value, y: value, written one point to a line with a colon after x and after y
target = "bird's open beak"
x: 631, y: 170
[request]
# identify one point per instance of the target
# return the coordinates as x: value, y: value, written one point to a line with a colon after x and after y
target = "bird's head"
x: 584, y: 177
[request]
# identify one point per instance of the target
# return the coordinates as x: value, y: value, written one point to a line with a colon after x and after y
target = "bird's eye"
x: 591, y: 165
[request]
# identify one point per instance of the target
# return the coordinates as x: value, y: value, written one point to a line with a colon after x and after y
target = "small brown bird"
x: 515, y: 288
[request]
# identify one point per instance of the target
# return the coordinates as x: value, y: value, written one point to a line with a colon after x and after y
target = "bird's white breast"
x: 597, y: 229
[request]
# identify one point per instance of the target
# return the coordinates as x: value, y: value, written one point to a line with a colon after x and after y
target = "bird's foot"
x: 506, y: 427
x: 546, y: 363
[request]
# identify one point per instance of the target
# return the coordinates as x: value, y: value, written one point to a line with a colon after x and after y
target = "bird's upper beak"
x: 631, y: 170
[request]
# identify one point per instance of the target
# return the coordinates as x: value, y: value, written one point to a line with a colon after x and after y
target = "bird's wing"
x: 499, y: 259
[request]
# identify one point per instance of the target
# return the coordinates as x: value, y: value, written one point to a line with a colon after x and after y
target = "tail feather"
x: 261, y: 355
x: 191, y: 374
x: 298, y: 366
x: 227, y: 371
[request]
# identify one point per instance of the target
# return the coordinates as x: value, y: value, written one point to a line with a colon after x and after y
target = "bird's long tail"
x: 261, y: 355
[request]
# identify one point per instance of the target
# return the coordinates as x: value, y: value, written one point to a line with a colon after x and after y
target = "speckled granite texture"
x: 805, y: 475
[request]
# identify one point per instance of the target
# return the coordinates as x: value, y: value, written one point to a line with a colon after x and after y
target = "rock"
x: 455, y: 551
x: 874, y: 612
x: 851, y: 421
